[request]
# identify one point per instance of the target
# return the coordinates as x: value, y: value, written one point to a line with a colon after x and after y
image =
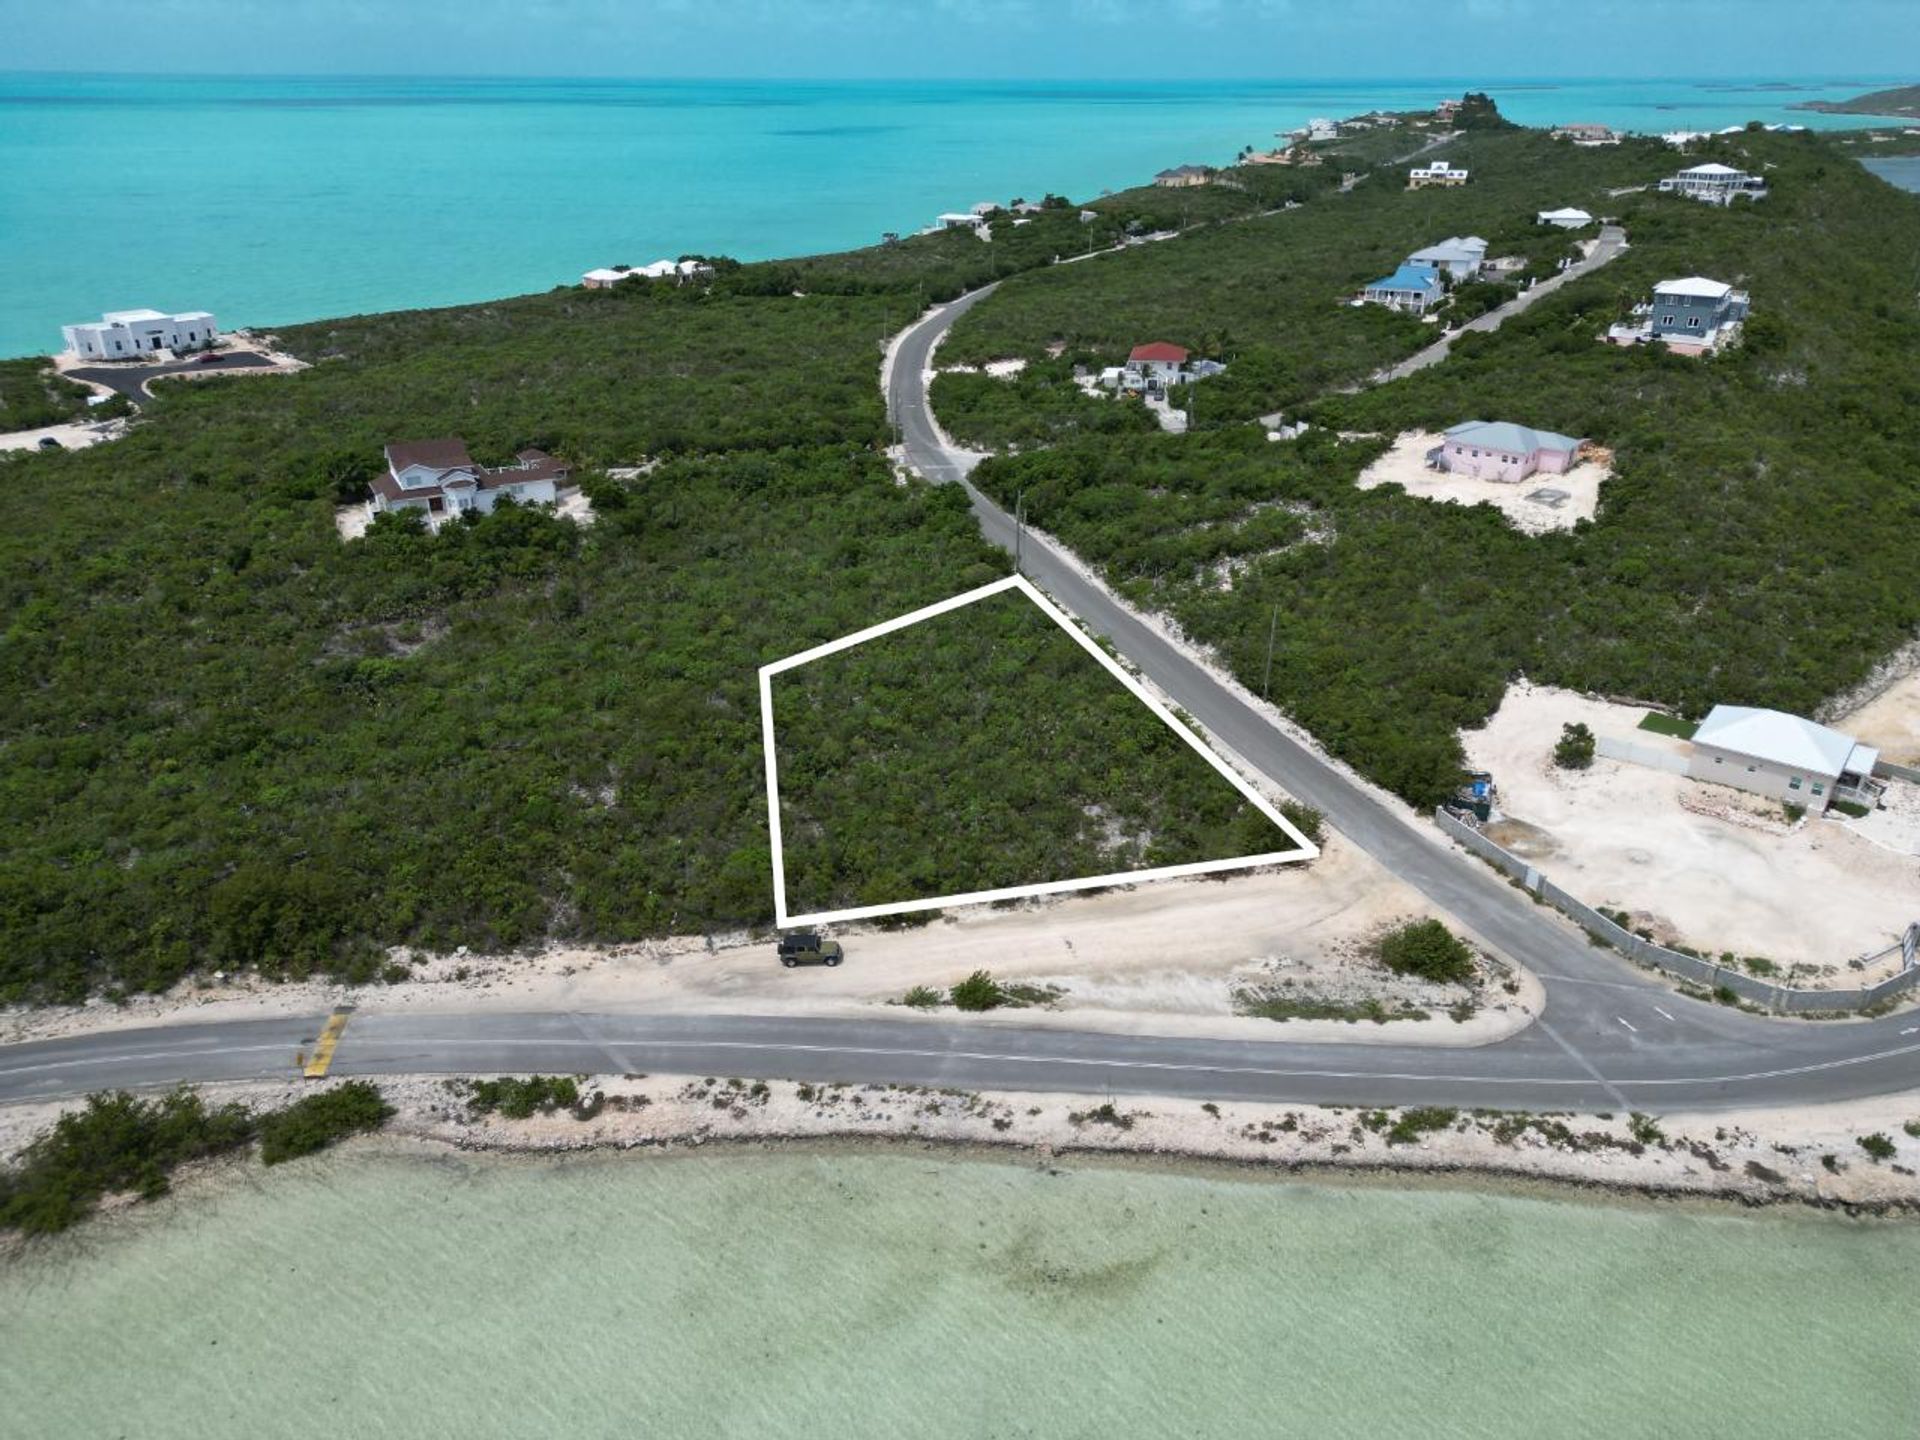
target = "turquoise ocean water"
x: 909, y: 1294
x: 281, y: 199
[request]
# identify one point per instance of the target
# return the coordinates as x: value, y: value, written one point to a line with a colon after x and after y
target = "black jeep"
x: 807, y: 948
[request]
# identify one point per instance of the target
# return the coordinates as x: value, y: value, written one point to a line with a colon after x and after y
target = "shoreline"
x: 1753, y: 1160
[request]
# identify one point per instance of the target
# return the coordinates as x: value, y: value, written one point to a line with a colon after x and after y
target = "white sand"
x: 1695, y: 1154
x: 1701, y: 864
x: 74, y: 435
x: 1891, y: 722
x: 1162, y: 958
x: 1406, y: 465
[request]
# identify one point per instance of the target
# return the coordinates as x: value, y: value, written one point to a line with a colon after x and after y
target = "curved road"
x: 1611, y: 1039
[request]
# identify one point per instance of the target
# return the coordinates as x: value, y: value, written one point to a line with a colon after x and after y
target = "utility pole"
x: 1266, y: 684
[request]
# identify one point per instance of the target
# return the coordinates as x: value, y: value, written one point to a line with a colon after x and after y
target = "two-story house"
x: 1458, y: 257
x: 1715, y: 184
x: 1438, y: 173
x: 1690, y: 316
x: 439, y: 479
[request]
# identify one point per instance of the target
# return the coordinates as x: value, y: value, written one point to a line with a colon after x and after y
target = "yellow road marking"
x: 329, y: 1037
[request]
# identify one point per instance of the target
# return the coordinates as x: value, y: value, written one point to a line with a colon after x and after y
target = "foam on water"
x: 851, y: 1293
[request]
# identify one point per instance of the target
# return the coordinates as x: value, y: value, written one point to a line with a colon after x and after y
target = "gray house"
x: 1782, y: 756
x: 1695, y: 311
x: 1459, y: 257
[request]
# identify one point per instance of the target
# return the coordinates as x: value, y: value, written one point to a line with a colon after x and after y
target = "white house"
x: 1459, y: 257
x: 606, y: 278
x: 1439, y: 172
x: 124, y: 334
x: 439, y: 479
x: 1567, y: 219
x: 1715, y: 184
x: 1320, y: 128
x: 1782, y: 756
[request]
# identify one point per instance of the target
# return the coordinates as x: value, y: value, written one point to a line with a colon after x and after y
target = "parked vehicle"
x: 47, y: 442
x: 806, y: 948
x: 207, y: 357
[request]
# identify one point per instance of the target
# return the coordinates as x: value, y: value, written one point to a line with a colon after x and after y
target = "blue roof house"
x: 1411, y: 288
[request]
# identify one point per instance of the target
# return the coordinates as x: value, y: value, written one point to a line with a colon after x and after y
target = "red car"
x: 207, y: 357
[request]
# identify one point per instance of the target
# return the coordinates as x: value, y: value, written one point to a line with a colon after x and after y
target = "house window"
x: 1818, y: 788
x: 1794, y: 783
x: 1666, y: 319
x: 1752, y: 768
x: 1693, y: 322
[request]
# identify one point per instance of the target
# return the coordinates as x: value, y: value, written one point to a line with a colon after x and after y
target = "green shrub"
x: 1412, y: 1124
x: 1878, y: 1147
x: 117, y: 1143
x: 979, y: 991
x: 315, y: 1122
x: 1912, y: 1127
x: 1307, y: 820
x: 1645, y: 1129
x: 1852, y: 808
x: 515, y: 1099
x: 1427, y: 949
x: 1574, y: 749
x: 923, y: 997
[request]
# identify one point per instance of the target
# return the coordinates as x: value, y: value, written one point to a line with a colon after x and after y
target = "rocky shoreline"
x: 1810, y: 1156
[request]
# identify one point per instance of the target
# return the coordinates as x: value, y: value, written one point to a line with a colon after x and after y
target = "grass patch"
x: 1661, y: 723
x: 1279, y: 1004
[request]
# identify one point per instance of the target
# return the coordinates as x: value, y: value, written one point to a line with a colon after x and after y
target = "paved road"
x: 131, y: 380
x: 1612, y: 242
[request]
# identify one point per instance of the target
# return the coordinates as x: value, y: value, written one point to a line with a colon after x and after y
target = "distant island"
x: 1902, y: 100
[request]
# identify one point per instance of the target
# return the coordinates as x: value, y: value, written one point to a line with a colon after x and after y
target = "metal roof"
x: 1453, y: 249
x: 1511, y: 439
x: 1693, y: 285
x: 1408, y: 277
x: 1784, y: 739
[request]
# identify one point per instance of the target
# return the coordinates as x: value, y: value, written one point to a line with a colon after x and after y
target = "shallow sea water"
x: 384, y: 1292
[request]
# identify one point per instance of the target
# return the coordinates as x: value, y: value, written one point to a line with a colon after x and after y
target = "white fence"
x: 1614, y: 748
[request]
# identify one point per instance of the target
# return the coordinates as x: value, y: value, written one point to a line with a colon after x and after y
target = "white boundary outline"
x: 1304, y: 849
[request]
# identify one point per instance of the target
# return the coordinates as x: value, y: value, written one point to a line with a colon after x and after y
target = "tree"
x: 1574, y: 749
x: 1427, y: 949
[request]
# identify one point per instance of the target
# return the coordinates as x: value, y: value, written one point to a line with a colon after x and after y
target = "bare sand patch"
x: 1890, y: 723
x: 1160, y: 958
x: 73, y: 435
x: 1700, y: 864
x: 1535, y: 505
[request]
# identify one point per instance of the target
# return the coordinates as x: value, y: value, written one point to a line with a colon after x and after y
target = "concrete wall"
x: 1613, y: 748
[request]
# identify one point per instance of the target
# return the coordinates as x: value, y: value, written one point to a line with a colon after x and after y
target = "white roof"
x: 1693, y: 285
x: 1569, y: 213
x: 115, y: 317
x: 1784, y: 740
x: 605, y: 274
x: 658, y: 270
x: 1711, y: 170
x: 958, y: 217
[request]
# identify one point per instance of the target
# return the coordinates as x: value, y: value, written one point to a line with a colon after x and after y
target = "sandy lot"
x: 1161, y: 958
x: 1757, y: 1156
x: 1406, y: 464
x: 72, y: 436
x: 352, y: 520
x: 1891, y: 722
x: 1700, y: 864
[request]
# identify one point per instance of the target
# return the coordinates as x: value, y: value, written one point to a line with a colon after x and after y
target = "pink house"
x: 1500, y: 450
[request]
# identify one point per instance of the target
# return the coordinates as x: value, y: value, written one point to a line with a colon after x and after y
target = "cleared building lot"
x: 1535, y: 505
x: 1697, y: 864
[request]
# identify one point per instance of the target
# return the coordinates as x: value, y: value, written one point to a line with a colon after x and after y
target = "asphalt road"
x: 1611, y: 1039
x: 131, y: 380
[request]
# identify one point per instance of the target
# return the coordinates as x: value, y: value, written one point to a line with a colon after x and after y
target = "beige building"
x: 1439, y: 172
x: 1781, y: 756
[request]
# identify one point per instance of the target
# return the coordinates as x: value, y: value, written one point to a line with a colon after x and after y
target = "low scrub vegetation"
x: 1428, y: 950
x: 316, y: 1121
x: 514, y: 1098
x: 120, y: 1144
